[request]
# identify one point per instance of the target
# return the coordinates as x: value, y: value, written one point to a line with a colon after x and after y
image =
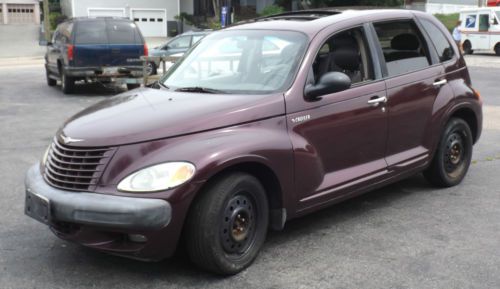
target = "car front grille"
x: 75, y: 168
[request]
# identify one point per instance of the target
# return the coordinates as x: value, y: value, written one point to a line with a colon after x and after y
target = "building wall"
x: 81, y: 6
x: 442, y: 6
x: 187, y: 7
x: 5, y: 16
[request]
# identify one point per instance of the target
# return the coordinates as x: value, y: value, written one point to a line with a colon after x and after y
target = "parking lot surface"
x: 407, y: 235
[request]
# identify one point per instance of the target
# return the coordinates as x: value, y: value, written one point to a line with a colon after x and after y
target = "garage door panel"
x: 21, y: 13
x: 111, y: 12
x: 152, y: 23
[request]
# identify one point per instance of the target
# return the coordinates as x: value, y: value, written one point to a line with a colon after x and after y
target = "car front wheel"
x: 227, y: 224
x: 453, y: 156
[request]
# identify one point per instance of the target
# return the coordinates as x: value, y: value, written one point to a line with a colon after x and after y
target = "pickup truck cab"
x: 99, y: 49
x: 258, y: 124
x: 480, y: 30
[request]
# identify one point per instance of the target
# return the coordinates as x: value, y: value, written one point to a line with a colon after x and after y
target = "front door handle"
x: 440, y: 82
x: 375, y: 101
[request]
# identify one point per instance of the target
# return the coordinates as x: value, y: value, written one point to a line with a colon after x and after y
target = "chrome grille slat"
x: 75, y: 168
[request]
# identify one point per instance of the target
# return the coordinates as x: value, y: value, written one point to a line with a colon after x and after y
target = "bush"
x: 449, y: 20
x: 55, y: 18
x: 271, y: 10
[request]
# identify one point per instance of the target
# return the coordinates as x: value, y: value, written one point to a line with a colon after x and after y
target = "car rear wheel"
x: 227, y: 224
x: 453, y: 156
x: 67, y: 83
x: 467, y: 47
x: 50, y: 81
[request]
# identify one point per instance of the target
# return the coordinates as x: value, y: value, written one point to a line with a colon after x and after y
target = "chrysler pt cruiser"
x: 256, y: 125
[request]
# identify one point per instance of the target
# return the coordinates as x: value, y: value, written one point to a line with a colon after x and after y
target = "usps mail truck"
x: 480, y: 30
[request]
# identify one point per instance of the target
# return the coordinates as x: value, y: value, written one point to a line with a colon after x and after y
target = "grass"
x: 449, y: 20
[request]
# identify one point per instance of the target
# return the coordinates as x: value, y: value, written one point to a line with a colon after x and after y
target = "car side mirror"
x: 330, y: 82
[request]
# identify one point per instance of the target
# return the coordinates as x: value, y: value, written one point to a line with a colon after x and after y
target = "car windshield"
x: 239, y: 61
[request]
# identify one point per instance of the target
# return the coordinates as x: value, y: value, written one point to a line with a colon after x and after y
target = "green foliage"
x: 184, y: 17
x: 449, y: 20
x: 55, y: 18
x: 271, y: 10
x: 214, y: 24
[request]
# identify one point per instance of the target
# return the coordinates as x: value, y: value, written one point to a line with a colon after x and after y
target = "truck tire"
x: 467, y: 47
x: 67, y: 83
x: 50, y: 81
x: 453, y: 155
x: 227, y: 224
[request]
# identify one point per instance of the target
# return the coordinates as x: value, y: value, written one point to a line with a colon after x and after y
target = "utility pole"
x: 46, y: 21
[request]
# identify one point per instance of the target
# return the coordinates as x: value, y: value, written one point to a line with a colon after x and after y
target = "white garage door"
x: 21, y: 13
x: 153, y: 23
x: 112, y: 12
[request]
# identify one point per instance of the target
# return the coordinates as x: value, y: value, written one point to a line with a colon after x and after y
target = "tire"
x: 131, y: 86
x: 50, y: 81
x: 227, y: 224
x: 453, y: 155
x: 497, y: 49
x: 467, y: 47
x: 67, y: 83
x: 151, y: 69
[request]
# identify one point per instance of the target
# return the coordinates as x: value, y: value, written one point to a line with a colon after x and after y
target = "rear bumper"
x: 86, y: 208
x: 105, y: 72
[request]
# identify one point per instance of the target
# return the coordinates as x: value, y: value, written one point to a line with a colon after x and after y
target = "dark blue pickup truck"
x: 103, y: 49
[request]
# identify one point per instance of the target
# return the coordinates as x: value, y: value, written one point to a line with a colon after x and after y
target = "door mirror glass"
x: 330, y: 82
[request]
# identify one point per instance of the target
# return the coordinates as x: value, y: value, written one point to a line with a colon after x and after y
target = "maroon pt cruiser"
x: 256, y: 125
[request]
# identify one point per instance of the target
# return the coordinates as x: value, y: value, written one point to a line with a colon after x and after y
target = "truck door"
x: 483, y: 39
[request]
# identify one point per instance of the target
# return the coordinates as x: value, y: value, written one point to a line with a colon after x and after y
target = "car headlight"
x: 46, y: 155
x: 158, y: 177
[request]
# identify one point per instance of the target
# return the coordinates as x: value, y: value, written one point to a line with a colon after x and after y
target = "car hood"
x: 146, y: 114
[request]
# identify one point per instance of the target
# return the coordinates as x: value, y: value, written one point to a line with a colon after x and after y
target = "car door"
x: 483, y: 39
x: 339, y: 138
x: 414, y: 79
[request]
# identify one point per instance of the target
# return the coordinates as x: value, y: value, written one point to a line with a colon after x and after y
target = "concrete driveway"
x: 20, y: 40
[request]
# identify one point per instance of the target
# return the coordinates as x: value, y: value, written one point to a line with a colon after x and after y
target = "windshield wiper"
x: 199, y: 89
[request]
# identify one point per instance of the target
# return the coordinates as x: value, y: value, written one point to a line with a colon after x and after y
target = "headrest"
x: 405, y: 41
x: 344, y: 41
x: 347, y: 59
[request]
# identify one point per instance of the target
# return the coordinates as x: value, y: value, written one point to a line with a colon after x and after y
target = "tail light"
x: 71, y: 49
x: 146, y: 52
x: 478, y: 95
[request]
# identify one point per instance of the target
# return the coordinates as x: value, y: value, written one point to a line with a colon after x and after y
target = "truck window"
x: 470, y: 21
x: 484, y: 22
x: 122, y: 32
x: 91, y: 32
x: 443, y: 46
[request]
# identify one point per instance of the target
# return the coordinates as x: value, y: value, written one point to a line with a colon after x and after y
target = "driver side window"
x: 345, y: 52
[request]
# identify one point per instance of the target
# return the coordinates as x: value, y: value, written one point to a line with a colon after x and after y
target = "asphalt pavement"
x: 407, y: 235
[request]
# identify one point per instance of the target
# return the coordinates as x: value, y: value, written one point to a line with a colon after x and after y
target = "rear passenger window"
x: 443, y: 46
x: 122, y: 32
x: 91, y: 32
x: 403, y: 46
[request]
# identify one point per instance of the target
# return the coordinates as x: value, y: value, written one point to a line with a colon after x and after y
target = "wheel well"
x: 469, y: 117
x: 59, y: 66
x: 265, y: 175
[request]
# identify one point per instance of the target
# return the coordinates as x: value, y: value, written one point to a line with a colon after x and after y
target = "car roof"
x: 311, y: 22
x: 197, y: 32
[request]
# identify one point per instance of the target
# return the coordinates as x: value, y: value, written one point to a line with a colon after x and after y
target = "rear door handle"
x: 375, y: 101
x: 440, y: 82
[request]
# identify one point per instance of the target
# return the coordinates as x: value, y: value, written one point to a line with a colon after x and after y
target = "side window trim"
x: 432, y: 51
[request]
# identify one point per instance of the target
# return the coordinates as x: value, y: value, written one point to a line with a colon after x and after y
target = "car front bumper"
x: 50, y: 205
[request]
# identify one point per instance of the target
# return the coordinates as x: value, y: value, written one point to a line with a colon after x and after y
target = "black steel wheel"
x: 453, y: 156
x: 227, y: 224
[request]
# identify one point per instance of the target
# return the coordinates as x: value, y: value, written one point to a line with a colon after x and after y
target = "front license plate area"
x: 37, y: 207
